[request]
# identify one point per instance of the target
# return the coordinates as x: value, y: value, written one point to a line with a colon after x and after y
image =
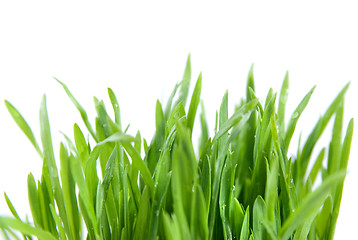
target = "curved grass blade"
x: 316, y: 167
x: 20, y: 121
x: 80, y: 109
x: 116, y: 109
x: 318, y: 130
x: 11, y: 207
x: 295, y: 116
x: 12, y: 210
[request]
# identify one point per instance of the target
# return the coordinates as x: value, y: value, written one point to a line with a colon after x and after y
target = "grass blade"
x: 185, y: 83
x: 282, y: 104
x: 25, y: 228
x: 343, y: 166
x: 20, y: 121
x: 137, y: 161
x: 115, y: 105
x: 295, y: 116
x: 51, y: 163
x: 195, y: 99
x: 245, y: 229
x: 236, y: 117
x: 80, y: 109
x: 318, y: 130
x: 310, y: 205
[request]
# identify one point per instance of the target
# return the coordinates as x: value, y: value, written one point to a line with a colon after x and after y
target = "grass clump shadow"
x: 241, y: 185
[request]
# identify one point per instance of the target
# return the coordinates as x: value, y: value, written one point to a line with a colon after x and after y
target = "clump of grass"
x: 241, y: 185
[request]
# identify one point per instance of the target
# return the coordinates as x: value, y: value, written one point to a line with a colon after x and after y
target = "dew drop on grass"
x: 294, y: 115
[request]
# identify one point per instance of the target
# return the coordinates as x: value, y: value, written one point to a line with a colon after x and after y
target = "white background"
x: 140, y: 49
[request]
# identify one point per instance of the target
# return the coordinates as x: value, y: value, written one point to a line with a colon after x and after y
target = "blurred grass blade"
x: 310, y: 205
x: 62, y: 235
x: 25, y: 228
x: 343, y: 166
x: 316, y: 167
x: 11, y: 207
x: 335, y: 145
x: 199, y: 216
x: 245, y: 229
x: 195, y: 99
x: 34, y: 201
x: 13, y: 211
x: 185, y: 84
x: 258, y: 217
x: 250, y: 83
x: 282, y: 104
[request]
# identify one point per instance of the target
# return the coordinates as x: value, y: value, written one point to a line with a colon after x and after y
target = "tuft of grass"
x: 240, y: 185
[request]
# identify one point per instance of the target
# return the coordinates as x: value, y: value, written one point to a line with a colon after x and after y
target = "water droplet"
x: 294, y: 115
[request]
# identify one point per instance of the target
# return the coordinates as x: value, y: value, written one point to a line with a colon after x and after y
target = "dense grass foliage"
x: 241, y: 184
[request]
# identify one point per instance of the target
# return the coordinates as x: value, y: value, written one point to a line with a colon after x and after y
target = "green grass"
x: 241, y: 184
